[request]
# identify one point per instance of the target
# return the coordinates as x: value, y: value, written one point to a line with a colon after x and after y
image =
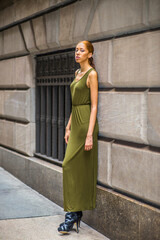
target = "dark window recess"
x: 54, y: 74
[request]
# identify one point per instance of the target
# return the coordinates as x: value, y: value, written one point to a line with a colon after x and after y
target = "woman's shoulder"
x: 93, y: 73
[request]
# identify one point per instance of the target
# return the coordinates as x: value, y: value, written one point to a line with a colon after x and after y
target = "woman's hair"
x: 90, y: 48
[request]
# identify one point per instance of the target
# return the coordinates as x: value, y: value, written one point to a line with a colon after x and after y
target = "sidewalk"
x: 27, y: 215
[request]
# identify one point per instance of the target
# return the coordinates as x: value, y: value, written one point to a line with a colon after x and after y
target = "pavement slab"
x: 25, y: 214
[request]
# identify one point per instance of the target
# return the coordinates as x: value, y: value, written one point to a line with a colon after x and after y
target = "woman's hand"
x: 89, y: 142
x: 67, y: 133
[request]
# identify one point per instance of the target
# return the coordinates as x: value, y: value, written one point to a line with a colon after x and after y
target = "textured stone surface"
x: 52, y: 20
x: 24, y: 72
x: 40, y: 33
x: 7, y: 72
x: 25, y: 8
x: 121, y: 217
x: 29, y: 36
x: 104, y: 162
x: 7, y: 16
x: 7, y: 136
x: 149, y: 222
x: 129, y: 16
x: 154, y: 12
x: 136, y: 171
x: 103, y: 64
x: 25, y: 138
x: 1, y: 43
x: 153, y: 121
x: 41, y: 4
x: 44, y: 178
x: 13, y: 42
x: 16, y: 72
x: 124, y: 116
x: 19, y: 105
x: 136, y: 60
x: 20, y: 137
x: 1, y: 103
x: 84, y: 10
x: 66, y: 25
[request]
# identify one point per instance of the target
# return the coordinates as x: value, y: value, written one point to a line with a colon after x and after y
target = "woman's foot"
x: 79, y: 214
x: 71, y: 218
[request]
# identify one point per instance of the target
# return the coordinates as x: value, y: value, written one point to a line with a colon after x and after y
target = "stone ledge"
x: 116, y: 216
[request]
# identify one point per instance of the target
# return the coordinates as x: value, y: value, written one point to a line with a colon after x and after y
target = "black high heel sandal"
x: 79, y: 214
x: 71, y: 218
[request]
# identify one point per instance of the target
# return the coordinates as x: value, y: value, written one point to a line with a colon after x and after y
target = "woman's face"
x: 81, y: 53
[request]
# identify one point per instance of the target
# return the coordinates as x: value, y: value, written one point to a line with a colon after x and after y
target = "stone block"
x: 84, y: 10
x: 1, y: 103
x: 1, y: 131
x: 16, y: 72
x: 18, y: 105
x: 7, y: 72
x: 153, y: 121
x: 103, y: 64
x: 40, y: 33
x: 66, y: 25
x: 154, y: 12
x: 123, y: 115
x: 25, y: 138
x: 29, y: 36
x: 13, y: 42
x: 136, y: 171
x: 7, y: 138
x: 136, y: 60
x: 20, y: 137
x: 1, y: 44
x: 24, y: 72
x: 25, y: 8
x: 104, y: 162
x: 7, y: 16
x: 114, y: 17
x: 52, y: 20
x: 41, y: 4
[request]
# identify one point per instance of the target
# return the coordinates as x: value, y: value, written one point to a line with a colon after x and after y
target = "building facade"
x: 37, y: 36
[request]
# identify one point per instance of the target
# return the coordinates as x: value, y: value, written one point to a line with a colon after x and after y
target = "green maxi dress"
x: 79, y: 165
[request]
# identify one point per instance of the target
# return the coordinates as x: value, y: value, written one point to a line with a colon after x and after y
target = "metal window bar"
x: 54, y: 74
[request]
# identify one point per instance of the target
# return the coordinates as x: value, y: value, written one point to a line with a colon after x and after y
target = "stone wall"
x: 126, y: 39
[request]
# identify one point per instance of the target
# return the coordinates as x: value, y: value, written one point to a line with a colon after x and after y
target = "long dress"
x: 80, y: 166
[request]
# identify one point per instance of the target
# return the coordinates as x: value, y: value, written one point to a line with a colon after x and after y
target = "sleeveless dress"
x: 80, y: 166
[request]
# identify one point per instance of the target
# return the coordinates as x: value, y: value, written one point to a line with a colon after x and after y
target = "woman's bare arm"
x: 93, y: 84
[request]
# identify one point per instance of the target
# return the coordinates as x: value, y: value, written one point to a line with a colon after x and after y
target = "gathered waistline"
x: 81, y: 105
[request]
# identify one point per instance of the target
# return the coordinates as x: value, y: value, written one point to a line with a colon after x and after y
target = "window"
x: 54, y: 74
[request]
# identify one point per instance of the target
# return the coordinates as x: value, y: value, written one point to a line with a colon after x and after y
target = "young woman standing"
x: 80, y: 161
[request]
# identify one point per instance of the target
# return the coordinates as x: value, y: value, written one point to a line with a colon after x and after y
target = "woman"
x: 80, y: 161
